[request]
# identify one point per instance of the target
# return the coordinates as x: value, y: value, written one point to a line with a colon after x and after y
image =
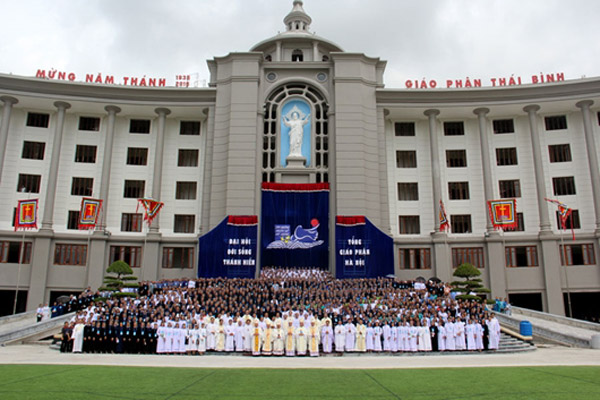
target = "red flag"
x: 26, y: 216
x: 444, y: 223
x: 503, y: 213
x: 88, y: 215
x: 151, y: 209
x: 564, y: 212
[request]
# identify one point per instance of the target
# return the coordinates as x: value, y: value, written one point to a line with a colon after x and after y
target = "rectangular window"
x: 70, y: 254
x: 520, y: 224
x: 178, y: 257
x: 404, y: 128
x: 85, y: 154
x: 454, y: 128
x: 134, y: 189
x: 137, y: 156
x: 564, y: 185
x: 572, y: 221
x: 460, y: 223
x: 184, y: 223
x: 409, y: 224
x: 89, y: 124
x: 29, y: 183
x: 510, y: 188
x: 33, y: 150
x: 38, y: 120
x: 577, y: 254
x: 415, y: 259
x: 406, y: 159
x: 73, y: 219
x: 456, y: 158
x: 506, y: 156
x: 503, y: 126
x: 186, y: 191
x: 556, y: 122
x: 458, y: 190
x: 521, y: 256
x: 10, y: 252
x: 189, y: 128
x: 408, y: 191
x: 131, y: 222
x: 471, y: 255
x: 132, y: 255
x: 187, y: 158
x: 139, y: 126
x: 560, y: 153
x: 82, y: 186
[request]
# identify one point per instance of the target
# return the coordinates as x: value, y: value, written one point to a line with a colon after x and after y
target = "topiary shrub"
x: 471, y: 284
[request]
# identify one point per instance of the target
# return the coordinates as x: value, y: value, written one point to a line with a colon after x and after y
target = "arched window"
x: 320, y: 129
x: 297, y: 55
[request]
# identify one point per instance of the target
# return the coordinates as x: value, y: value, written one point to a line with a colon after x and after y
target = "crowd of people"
x: 283, y: 312
x: 73, y: 303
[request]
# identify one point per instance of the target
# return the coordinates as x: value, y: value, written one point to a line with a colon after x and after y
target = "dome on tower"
x: 297, y: 30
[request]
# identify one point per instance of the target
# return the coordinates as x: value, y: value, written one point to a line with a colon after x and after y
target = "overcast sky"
x: 435, y: 39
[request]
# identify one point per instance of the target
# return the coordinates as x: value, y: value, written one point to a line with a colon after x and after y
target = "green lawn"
x: 97, y: 382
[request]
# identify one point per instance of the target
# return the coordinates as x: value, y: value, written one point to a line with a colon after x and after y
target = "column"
x: 494, y: 246
x: 549, y: 254
x: 435, y: 164
x: 48, y: 205
x: 441, y: 256
x: 278, y: 51
x: 316, y: 51
x: 6, y: 111
x: 97, y: 250
x: 158, y: 160
x: 538, y: 168
x: 590, y: 144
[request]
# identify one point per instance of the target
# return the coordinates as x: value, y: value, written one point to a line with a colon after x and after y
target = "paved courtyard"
x: 546, y: 356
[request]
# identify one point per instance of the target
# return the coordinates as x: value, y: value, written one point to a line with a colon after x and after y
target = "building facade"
x: 388, y: 154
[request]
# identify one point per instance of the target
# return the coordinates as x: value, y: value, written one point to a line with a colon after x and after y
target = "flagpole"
x: 565, y: 266
x: 21, y: 256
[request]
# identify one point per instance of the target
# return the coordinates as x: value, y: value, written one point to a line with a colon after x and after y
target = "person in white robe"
x: 370, y: 341
x: 422, y: 332
x: 361, y: 337
x: 479, y: 337
x: 301, y: 339
x: 211, y: 334
x: 493, y: 333
x: 327, y: 336
x: 387, y: 336
x: 230, y: 337
x: 278, y: 339
x: 441, y: 336
x: 169, y: 338
x: 202, y: 338
x: 220, y: 336
x: 395, y: 341
x: 461, y: 342
x: 160, y: 338
x: 192, y: 338
x: 471, y: 333
x: 377, y: 337
x: 340, y: 337
x: 248, y: 335
x: 267, y: 346
x: 78, y: 336
x: 413, y: 334
x: 450, y: 335
x: 350, y: 336
x: 314, y: 338
x: 239, y: 335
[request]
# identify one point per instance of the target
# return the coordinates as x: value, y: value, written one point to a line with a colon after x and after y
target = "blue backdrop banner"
x: 295, y: 225
x: 229, y: 249
x: 361, y: 249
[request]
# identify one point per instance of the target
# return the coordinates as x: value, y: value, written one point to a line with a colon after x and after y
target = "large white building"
x: 388, y: 154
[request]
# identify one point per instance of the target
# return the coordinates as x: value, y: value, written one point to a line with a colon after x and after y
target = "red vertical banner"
x: 26, y: 216
x: 444, y: 223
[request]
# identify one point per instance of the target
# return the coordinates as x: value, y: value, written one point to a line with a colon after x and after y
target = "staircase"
x: 509, y: 344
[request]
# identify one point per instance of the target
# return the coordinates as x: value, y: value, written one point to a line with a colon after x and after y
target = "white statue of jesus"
x: 296, y: 123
